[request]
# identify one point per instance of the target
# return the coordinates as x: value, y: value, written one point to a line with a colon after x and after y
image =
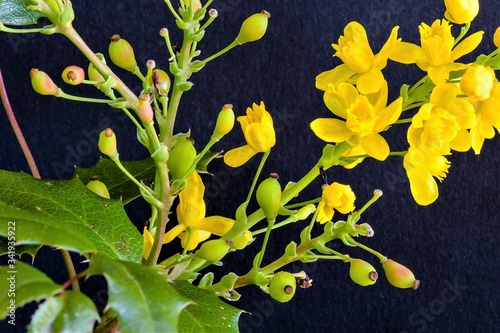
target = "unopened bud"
x: 161, y: 81
x: 121, y: 53
x: 213, y: 250
x: 73, y: 75
x: 146, y: 113
x: 253, y: 28
x: 225, y: 122
x: 107, y: 143
x: 269, y: 196
x: 98, y: 188
x: 42, y: 83
x: 362, y: 273
x: 398, y: 275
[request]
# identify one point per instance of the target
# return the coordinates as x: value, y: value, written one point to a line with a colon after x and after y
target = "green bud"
x: 180, y: 159
x: 213, y: 250
x: 161, y: 81
x: 282, y: 286
x: 362, y: 273
x: 121, y: 53
x: 225, y: 122
x: 93, y: 73
x: 304, y: 212
x: 99, y: 188
x: 269, y: 196
x: 73, y: 75
x: 146, y: 113
x: 107, y: 143
x: 42, y: 83
x: 253, y: 28
x: 240, y: 242
x: 161, y: 154
x: 398, y: 275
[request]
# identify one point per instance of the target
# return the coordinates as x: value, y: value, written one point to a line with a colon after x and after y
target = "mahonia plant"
x: 454, y: 107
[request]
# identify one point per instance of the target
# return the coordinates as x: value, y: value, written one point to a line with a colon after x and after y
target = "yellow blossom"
x: 461, y: 11
x: 258, y: 129
x: 335, y: 196
x: 148, y: 243
x: 477, y: 82
x: 496, y: 37
x: 365, y: 116
x: 361, y: 66
x: 487, y: 118
x: 191, y: 217
x: 438, y: 52
x: 442, y: 124
x: 422, y: 166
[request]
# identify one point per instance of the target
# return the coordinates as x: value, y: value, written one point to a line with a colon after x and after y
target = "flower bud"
x: 225, y: 122
x: 362, y: 273
x: 496, y: 38
x: 213, y: 250
x: 99, y: 188
x: 161, y: 81
x: 461, y: 11
x: 107, y: 143
x: 196, y: 4
x: 477, y: 82
x: 240, y: 242
x: 269, y: 196
x: 42, y: 83
x: 398, y: 275
x: 121, y: 53
x: 253, y: 28
x: 73, y: 75
x: 146, y: 113
x: 282, y: 286
x: 180, y: 159
x: 304, y: 212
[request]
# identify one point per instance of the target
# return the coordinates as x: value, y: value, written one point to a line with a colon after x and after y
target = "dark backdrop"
x: 451, y: 245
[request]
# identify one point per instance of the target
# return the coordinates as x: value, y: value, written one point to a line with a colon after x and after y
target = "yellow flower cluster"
x: 461, y: 111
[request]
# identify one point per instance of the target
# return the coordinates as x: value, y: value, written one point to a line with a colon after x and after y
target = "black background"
x: 451, y: 245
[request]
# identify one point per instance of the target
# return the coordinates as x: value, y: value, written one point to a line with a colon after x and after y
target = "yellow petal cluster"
x: 193, y: 225
x: 437, y: 51
x: 477, y: 82
x: 364, y: 116
x: 461, y: 11
x: 422, y: 166
x: 442, y: 124
x: 258, y: 129
x: 360, y: 66
x: 487, y: 118
x: 335, y: 196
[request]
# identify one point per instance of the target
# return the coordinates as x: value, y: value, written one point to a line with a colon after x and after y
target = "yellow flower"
x: 438, y: 52
x: 191, y: 217
x: 461, y: 11
x: 365, y: 116
x: 442, y: 124
x: 477, y: 82
x: 361, y: 66
x: 487, y: 118
x: 335, y: 196
x: 148, y: 243
x: 258, y: 129
x: 422, y: 166
x: 496, y: 37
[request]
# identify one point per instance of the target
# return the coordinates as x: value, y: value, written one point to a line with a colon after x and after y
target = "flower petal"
x: 338, y: 99
x: 148, y: 243
x: 331, y: 130
x: 407, y: 53
x: 438, y: 74
x: 375, y: 146
x: 335, y: 76
x: 462, y: 141
x: 238, y: 156
x: 467, y: 45
x: 370, y: 82
x: 216, y: 225
x: 423, y: 186
x: 174, y: 232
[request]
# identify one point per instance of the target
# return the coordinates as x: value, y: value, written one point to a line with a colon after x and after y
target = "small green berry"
x: 73, y: 75
x: 253, y: 28
x: 213, y: 250
x: 42, y: 83
x: 121, y: 53
x: 362, y: 273
x: 398, y: 275
x: 282, y: 286
x: 161, y: 81
x: 225, y: 122
x: 180, y: 159
x: 99, y: 188
x: 269, y: 196
x: 107, y: 143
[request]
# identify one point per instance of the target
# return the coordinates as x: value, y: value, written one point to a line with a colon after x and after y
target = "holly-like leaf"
x: 21, y: 284
x: 70, y: 311
x: 208, y: 314
x: 18, y: 249
x: 15, y: 12
x: 66, y: 214
x: 143, y: 298
x: 119, y: 185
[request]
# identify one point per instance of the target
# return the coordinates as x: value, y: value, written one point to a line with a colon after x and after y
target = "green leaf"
x: 202, y: 165
x: 70, y: 311
x: 119, y: 185
x: 18, y: 249
x: 15, y: 12
x: 64, y: 213
x: 141, y: 296
x: 30, y: 285
x: 209, y: 314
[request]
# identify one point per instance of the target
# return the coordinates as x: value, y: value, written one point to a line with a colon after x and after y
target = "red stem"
x: 17, y: 129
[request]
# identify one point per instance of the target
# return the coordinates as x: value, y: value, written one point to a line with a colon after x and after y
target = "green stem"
x: 403, y: 121
x: 129, y: 175
x: 221, y: 52
x: 71, y: 269
x: 64, y: 95
x: 257, y: 174
x: 270, y: 223
x: 289, y: 220
x: 303, y: 203
x: 379, y: 255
